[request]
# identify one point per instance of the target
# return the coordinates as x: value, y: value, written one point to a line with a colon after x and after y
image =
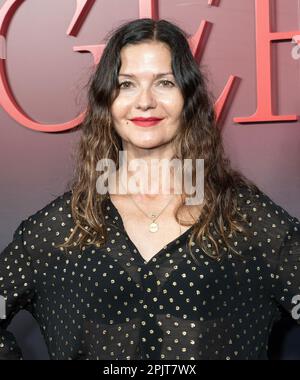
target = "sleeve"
x: 287, y: 276
x: 16, y: 291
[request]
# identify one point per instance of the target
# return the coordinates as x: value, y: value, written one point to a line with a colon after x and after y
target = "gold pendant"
x: 153, y: 227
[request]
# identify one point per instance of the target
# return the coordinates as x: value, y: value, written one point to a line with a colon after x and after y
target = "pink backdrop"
x: 47, y: 78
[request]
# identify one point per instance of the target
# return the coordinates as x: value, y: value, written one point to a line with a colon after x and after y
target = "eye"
x: 125, y: 84
x: 166, y: 83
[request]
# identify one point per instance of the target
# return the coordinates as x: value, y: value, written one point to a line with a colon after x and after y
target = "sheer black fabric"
x: 108, y: 303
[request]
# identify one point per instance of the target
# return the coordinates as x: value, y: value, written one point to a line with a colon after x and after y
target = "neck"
x: 151, y: 173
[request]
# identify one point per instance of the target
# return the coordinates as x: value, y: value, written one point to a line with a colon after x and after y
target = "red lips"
x: 146, y: 121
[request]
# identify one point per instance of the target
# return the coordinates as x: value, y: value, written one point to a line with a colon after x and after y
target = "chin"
x: 149, y: 144
x: 146, y: 145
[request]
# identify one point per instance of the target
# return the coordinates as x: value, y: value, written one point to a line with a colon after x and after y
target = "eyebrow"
x: 155, y: 76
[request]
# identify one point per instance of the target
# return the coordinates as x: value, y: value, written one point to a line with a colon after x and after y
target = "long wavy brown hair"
x: 199, y: 137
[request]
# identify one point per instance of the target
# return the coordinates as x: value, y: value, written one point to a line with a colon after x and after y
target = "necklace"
x: 153, y: 226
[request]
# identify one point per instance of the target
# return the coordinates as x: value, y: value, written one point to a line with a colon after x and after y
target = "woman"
x: 137, y: 275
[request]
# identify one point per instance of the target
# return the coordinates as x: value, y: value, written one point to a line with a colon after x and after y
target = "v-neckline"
x: 133, y: 246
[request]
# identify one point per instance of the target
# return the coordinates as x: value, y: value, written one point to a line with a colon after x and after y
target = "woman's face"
x: 147, y: 90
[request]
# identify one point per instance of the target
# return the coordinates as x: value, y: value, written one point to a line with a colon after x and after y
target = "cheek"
x: 173, y: 105
x: 120, y: 108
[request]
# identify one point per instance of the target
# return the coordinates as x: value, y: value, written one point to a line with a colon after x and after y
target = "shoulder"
x: 49, y: 222
x: 260, y: 205
x: 53, y: 210
x: 268, y: 220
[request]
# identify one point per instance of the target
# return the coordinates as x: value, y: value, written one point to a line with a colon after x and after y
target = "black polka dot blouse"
x: 109, y: 303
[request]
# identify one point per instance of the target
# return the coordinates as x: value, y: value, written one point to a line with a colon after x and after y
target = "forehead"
x: 146, y: 57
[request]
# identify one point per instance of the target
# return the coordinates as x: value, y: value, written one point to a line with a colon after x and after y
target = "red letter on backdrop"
x: 264, y: 38
x: 7, y: 99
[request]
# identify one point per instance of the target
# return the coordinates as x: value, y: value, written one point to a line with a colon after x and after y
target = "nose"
x: 146, y: 100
